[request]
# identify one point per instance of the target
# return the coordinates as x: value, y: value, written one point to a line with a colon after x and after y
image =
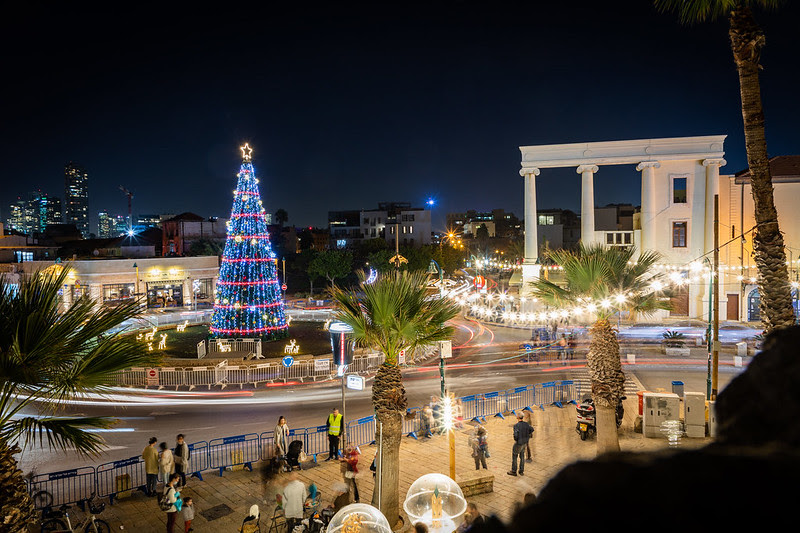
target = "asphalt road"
x: 484, y: 359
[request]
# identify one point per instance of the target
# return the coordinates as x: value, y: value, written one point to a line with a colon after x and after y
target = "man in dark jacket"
x: 522, y: 434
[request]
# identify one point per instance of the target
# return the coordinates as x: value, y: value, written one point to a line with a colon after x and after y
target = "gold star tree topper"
x: 247, y: 152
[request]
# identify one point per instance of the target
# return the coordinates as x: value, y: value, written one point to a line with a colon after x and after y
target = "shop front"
x: 168, y: 293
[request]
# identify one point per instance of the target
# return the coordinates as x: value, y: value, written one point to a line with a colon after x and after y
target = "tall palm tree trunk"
x: 608, y: 380
x: 16, y: 507
x: 747, y: 40
x: 389, y: 401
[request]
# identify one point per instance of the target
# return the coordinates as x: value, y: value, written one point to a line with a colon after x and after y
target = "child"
x: 188, y: 514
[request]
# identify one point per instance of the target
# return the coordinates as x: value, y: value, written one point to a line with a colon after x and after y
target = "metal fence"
x: 224, y: 375
x: 117, y: 478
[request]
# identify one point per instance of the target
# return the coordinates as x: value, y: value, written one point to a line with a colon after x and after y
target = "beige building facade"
x: 163, y: 282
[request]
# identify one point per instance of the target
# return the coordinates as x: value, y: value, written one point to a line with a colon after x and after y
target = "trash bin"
x: 677, y: 388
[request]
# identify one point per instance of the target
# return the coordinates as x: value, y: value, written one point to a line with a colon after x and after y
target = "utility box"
x: 677, y: 388
x: 658, y: 408
x: 694, y: 414
x: 712, y: 419
x: 741, y: 349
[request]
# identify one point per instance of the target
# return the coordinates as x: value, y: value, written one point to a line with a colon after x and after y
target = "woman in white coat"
x: 166, y: 463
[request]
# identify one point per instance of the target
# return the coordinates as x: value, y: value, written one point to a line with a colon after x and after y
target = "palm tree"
x: 392, y: 314
x: 47, y: 357
x: 607, y: 279
x: 747, y: 40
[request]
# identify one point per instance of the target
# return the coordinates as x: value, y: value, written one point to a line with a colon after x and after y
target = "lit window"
x: 679, y: 234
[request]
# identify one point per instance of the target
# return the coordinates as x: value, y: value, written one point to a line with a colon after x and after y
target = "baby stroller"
x: 293, y: 455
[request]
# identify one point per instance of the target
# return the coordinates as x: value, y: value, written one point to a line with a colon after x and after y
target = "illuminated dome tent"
x: 249, y: 300
x: 437, y: 501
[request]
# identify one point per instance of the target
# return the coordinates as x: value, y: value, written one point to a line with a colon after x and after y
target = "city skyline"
x: 346, y: 106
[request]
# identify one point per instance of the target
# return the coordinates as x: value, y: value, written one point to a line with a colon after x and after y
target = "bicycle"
x: 90, y: 524
x: 41, y: 498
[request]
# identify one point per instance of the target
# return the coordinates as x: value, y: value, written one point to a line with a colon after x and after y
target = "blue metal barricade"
x: 520, y: 398
x: 67, y: 486
x: 566, y: 392
x: 411, y: 422
x: 494, y: 404
x: 316, y: 441
x: 548, y: 394
x: 198, y: 459
x: 121, y: 477
x: 234, y: 451
x: 472, y: 408
x: 362, y: 431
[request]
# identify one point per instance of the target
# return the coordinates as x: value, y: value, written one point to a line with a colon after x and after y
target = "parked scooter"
x: 587, y: 417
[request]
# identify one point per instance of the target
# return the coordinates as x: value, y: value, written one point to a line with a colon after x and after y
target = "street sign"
x: 401, y: 357
x: 287, y: 361
x: 445, y: 349
x: 322, y: 365
x: 152, y: 376
x: 355, y: 382
x: 283, y: 287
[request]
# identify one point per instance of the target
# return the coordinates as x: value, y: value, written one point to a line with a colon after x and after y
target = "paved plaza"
x: 555, y: 444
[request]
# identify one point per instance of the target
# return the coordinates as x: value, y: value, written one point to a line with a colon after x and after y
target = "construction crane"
x: 129, y: 194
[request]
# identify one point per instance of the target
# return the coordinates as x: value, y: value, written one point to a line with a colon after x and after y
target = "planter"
x: 684, y: 352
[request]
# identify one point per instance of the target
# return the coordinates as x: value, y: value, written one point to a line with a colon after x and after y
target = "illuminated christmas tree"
x: 249, y: 300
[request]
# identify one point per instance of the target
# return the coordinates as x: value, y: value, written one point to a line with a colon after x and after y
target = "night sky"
x: 346, y: 105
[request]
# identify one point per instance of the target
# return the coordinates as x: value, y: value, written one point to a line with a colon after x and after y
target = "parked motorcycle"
x: 587, y: 417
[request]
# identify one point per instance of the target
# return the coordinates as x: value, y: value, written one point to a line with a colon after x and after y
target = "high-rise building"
x: 76, y: 198
x: 34, y: 214
x: 105, y: 225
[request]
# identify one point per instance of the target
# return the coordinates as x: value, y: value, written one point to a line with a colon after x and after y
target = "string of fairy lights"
x: 665, y: 277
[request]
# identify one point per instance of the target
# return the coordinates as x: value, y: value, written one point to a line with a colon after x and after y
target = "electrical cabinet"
x: 658, y: 408
x: 694, y: 414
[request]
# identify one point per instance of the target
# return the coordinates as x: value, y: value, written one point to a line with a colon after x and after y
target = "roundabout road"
x: 485, y: 358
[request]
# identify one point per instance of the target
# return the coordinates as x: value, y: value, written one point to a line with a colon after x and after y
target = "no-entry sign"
x: 152, y: 376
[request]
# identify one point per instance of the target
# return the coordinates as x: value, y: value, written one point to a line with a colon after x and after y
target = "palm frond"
x: 63, y: 434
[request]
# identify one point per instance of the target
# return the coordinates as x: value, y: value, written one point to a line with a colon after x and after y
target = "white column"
x: 648, y: 214
x: 712, y: 188
x: 531, y: 220
x: 587, y: 203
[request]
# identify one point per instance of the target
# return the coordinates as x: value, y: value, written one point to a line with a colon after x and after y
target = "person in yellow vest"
x: 335, y: 424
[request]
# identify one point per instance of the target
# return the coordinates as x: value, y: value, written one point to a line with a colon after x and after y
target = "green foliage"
x: 281, y: 217
x: 48, y: 355
x: 331, y: 265
x: 673, y: 339
x: 395, y: 313
x: 598, y: 273
x: 693, y: 11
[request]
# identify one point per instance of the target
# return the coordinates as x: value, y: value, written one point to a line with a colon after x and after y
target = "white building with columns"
x: 680, y: 177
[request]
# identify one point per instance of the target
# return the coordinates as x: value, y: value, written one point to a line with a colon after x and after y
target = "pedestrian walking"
x: 170, y: 501
x: 335, y: 423
x: 522, y: 434
x: 350, y: 469
x: 571, y: 346
x: 187, y: 511
x: 181, y: 454
x: 166, y: 463
x: 150, y: 456
x: 527, y: 419
x: 438, y: 413
x: 294, y: 496
x: 281, y: 437
x: 480, y: 448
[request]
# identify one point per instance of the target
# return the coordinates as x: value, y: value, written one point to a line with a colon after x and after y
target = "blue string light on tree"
x: 249, y: 300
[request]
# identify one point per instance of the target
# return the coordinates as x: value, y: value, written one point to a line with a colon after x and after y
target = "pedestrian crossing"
x: 583, y: 384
